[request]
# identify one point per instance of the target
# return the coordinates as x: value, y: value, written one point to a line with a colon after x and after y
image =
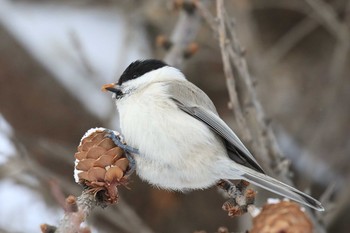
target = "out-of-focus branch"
x: 184, y: 33
x: 83, y: 58
x: 76, y: 212
x: 297, y: 6
x: 287, y: 42
x: 328, y: 17
x: 338, y: 207
x: 290, y: 39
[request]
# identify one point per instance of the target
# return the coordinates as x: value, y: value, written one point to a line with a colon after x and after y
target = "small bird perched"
x: 182, y: 143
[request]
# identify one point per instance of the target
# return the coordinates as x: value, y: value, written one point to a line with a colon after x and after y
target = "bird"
x: 179, y: 141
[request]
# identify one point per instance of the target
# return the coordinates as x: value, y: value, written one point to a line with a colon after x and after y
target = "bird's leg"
x: 117, y: 139
x: 132, y: 164
x: 232, y: 190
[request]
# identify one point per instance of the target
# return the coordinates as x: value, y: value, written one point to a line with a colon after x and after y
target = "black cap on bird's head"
x: 139, y: 68
x: 133, y: 71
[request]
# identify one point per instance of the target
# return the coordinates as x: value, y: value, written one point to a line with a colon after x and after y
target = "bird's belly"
x: 177, y: 151
x: 172, y: 177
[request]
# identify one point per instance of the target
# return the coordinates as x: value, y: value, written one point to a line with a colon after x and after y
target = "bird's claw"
x: 119, y: 141
x: 240, y: 197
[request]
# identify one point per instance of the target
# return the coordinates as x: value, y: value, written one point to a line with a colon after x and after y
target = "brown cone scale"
x: 101, y: 165
x: 285, y: 216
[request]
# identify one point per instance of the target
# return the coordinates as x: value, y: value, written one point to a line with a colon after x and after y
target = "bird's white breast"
x: 177, y: 151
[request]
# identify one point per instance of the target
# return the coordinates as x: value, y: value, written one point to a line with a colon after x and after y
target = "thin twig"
x: 71, y: 220
x: 229, y: 74
x: 264, y: 144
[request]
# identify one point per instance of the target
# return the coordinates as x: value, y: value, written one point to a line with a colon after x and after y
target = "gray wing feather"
x: 280, y: 188
x: 202, y: 108
x: 186, y: 92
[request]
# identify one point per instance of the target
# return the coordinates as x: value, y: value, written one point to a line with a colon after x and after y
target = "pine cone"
x: 285, y: 216
x: 100, y: 165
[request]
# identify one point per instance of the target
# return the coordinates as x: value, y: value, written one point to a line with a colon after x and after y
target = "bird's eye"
x: 119, y: 93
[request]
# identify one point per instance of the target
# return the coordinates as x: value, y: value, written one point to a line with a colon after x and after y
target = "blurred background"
x: 56, y: 55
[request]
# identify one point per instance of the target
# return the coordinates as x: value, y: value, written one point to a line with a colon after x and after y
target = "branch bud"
x: 191, y: 49
x: 164, y: 42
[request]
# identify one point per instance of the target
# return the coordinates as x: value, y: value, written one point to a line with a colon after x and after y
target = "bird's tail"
x: 275, y: 186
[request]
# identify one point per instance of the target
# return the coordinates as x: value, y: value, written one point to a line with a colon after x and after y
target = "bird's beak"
x: 110, y: 87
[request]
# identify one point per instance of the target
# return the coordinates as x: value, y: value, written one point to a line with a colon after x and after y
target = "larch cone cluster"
x: 100, y: 165
x: 282, y: 217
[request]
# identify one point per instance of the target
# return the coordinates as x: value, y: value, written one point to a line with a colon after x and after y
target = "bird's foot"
x: 240, y: 197
x: 119, y: 141
x: 231, y: 189
x: 132, y: 164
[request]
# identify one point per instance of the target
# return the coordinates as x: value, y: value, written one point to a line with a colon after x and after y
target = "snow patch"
x: 7, y: 149
x: 273, y: 200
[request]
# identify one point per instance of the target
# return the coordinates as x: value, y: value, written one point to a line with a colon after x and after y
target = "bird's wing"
x: 196, y: 103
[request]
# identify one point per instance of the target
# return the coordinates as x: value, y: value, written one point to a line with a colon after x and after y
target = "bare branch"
x: 229, y: 74
x: 71, y: 221
x: 263, y: 142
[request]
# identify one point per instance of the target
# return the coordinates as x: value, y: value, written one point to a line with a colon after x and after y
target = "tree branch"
x: 229, y: 73
x: 72, y: 218
x: 264, y: 143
